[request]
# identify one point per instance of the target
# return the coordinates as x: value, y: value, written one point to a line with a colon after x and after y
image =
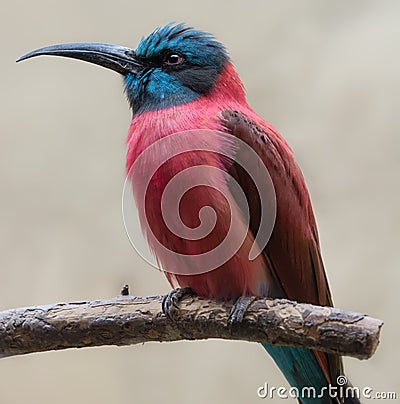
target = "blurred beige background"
x: 326, y: 74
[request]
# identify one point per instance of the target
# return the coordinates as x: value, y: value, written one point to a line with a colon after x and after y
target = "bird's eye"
x: 173, y: 59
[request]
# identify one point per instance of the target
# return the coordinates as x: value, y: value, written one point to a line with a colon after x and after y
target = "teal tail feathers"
x: 302, y: 371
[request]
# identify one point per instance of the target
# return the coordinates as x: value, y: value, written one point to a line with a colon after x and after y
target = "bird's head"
x: 174, y: 65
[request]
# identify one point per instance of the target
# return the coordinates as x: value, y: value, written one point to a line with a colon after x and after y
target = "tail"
x: 304, y: 374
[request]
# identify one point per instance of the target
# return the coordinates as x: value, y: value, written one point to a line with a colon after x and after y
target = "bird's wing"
x: 292, y: 253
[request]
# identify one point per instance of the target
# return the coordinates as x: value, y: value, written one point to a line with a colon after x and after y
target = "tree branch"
x: 127, y: 320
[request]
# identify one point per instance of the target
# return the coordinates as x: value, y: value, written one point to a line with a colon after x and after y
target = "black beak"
x: 118, y: 58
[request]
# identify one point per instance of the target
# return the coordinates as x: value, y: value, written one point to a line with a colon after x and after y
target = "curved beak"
x: 118, y: 58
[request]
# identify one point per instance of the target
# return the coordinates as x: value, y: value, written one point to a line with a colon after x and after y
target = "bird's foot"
x: 171, y: 299
x: 238, y: 311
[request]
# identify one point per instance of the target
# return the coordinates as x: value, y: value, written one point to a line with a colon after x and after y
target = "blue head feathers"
x: 200, y: 48
x: 179, y: 64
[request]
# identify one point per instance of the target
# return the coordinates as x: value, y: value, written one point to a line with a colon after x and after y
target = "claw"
x: 171, y: 299
x: 238, y: 311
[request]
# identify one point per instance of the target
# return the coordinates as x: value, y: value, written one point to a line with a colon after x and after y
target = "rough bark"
x: 127, y: 320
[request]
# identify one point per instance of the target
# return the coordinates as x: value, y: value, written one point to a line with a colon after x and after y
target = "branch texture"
x: 127, y: 320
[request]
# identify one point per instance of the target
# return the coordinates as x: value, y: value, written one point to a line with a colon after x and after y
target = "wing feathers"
x: 292, y: 253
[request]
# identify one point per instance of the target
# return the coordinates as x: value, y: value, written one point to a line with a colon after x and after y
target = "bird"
x: 181, y: 80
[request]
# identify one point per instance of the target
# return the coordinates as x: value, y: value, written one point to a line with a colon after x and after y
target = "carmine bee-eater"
x: 182, y: 80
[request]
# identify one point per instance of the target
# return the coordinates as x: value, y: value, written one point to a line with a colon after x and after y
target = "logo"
x: 184, y: 207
